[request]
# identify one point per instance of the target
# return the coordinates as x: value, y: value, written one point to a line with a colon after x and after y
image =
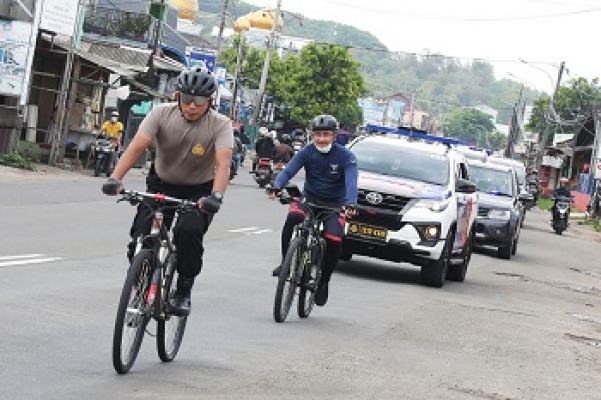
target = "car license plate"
x: 375, y: 232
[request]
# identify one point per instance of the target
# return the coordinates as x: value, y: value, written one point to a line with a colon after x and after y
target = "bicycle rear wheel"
x: 287, y: 281
x: 311, y: 274
x: 170, y: 331
x: 132, y: 314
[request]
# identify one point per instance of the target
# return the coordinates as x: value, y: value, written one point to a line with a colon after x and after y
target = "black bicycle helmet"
x: 324, y: 123
x: 197, y: 81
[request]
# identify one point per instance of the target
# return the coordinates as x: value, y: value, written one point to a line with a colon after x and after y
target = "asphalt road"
x: 529, y: 328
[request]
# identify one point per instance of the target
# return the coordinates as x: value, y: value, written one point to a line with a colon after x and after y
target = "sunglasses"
x: 189, y: 98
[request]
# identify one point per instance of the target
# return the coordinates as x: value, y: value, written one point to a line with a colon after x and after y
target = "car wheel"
x: 457, y: 272
x: 514, y: 248
x: 505, y: 252
x: 346, y: 256
x: 435, y: 272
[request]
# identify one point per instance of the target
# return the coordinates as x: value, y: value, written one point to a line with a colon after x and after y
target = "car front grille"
x: 389, y: 202
x: 482, y: 211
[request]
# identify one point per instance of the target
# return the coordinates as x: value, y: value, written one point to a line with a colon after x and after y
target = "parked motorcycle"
x: 263, y: 172
x: 104, y: 151
x: 561, y: 214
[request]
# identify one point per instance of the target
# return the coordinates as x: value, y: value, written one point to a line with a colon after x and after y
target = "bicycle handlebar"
x: 130, y: 195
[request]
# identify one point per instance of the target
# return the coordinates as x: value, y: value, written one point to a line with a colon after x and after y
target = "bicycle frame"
x: 160, y: 243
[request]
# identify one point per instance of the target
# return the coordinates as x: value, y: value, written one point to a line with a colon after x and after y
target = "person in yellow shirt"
x: 113, y: 128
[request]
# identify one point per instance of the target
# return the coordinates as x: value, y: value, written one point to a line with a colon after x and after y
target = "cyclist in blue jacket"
x: 330, y: 179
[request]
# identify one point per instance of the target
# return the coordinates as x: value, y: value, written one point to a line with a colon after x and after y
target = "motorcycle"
x: 534, y: 190
x: 104, y: 151
x: 296, y: 145
x: 263, y: 172
x: 561, y: 214
x: 277, y: 169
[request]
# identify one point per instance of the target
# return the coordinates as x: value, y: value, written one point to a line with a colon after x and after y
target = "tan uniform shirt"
x: 185, y: 151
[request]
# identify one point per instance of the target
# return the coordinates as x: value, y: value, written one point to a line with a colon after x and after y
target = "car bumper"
x: 493, y: 232
x: 404, y: 245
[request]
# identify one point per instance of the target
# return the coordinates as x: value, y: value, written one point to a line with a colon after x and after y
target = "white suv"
x: 417, y: 205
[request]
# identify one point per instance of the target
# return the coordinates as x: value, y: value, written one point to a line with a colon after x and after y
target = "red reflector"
x: 159, y: 197
x: 371, y: 211
x: 152, y: 291
x: 263, y: 162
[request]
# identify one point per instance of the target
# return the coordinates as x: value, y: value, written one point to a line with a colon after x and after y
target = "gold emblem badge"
x: 198, y: 150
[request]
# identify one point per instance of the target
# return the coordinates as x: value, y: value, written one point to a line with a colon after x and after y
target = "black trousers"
x: 333, y: 233
x: 189, y: 229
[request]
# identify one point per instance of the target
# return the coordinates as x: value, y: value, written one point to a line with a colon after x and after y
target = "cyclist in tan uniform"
x: 193, y: 146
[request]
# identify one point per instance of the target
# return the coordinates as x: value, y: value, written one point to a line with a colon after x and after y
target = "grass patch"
x: 16, y: 160
x: 592, y: 222
x: 544, y: 204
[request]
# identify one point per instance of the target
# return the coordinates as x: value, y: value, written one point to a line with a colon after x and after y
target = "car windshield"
x: 390, y: 160
x: 493, y: 181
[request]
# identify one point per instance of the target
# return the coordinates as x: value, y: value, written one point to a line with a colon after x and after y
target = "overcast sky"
x: 541, y: 32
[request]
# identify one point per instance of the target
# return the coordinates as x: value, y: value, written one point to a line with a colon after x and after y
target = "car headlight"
x: 433, y: 205
x: 499, y: 214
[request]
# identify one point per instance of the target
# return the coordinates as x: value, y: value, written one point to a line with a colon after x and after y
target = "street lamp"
x: 539, y: 69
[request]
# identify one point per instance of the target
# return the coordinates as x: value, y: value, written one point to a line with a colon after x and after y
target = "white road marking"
x: 250, y: 228
x: 20, y: 256
x: 259, y: 232
x: 25, y: 259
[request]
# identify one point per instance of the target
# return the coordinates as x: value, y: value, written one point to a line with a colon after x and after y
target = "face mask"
x: 324, y: 150
x: 114, y: 119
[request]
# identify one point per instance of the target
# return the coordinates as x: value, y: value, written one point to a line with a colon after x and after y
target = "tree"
x: 572, y: 106
x: 322, y: 79
x: 470, y: 125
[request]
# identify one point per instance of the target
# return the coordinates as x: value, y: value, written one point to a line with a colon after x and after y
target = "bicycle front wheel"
x: 287, y: 281
x: 132, y: 313
x: 170, y: 331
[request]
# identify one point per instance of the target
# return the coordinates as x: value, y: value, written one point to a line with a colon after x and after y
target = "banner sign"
x: 204, y: 58
x: 14, y: 44
x: 59, y: 16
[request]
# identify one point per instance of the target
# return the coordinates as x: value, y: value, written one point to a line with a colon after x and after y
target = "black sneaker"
x: 321, y: 295
x: 276, y: 271
x: 180, y: 303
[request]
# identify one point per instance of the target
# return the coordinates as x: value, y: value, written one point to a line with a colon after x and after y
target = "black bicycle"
x: 302, y: 263
x: 150, y: 280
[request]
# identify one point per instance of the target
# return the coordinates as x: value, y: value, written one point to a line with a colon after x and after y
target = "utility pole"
x: 544, y: 136
x: 221, y: 26
x: 514, y: 128
x: 237, y: 76
x: 270, y: 46
x: 59, y: 131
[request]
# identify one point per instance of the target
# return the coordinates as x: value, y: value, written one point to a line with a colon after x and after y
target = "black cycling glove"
x: 111, y: 187
x: 210, y: 204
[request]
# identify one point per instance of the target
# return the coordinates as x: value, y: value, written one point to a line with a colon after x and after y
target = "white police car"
x: 417, y: 205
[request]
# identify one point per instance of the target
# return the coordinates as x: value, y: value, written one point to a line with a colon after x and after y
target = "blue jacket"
x: 330, y: 177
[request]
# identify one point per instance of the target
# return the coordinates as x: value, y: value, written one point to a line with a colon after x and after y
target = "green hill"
x: 439, y: 84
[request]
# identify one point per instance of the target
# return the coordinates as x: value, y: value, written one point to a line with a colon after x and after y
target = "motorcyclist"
x: 237, y: 151
x: 193, y: 146
x: 264, y: 147
x: 562, y: 191
x: 330, y: 179
x: 114, y: 130
x: 283, y: 152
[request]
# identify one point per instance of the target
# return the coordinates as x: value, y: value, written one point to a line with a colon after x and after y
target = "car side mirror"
x: 525, y: 197
x: 465, y: 186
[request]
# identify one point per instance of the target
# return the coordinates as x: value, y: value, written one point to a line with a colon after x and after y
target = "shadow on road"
x: 378, y: 271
